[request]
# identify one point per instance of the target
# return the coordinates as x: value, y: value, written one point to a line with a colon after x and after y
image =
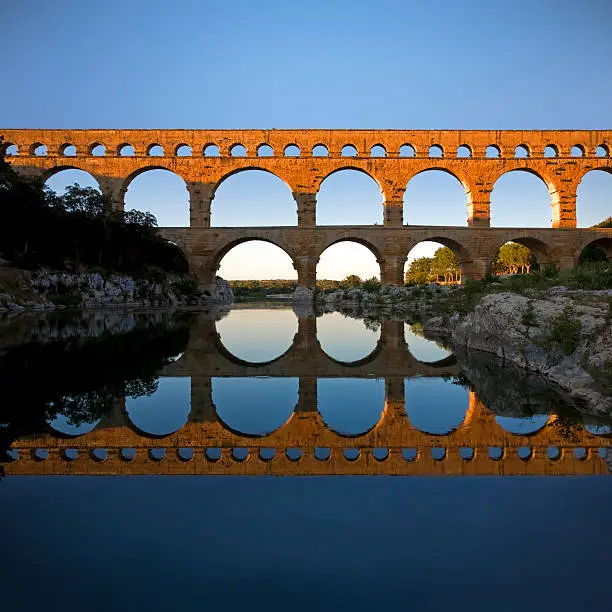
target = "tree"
x: 419, y: 271
x: 352, y: 280
x: 445, y: 265
x: 605, y: 223
x: 513, y: 258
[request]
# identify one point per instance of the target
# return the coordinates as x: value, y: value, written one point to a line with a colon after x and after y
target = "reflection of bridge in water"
x: 304, y: 444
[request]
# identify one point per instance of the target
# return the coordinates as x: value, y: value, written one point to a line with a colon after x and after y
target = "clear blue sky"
x: 536, y: 64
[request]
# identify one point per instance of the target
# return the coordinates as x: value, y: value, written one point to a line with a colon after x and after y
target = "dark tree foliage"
x: 39, y: 228
x: 80, y: 377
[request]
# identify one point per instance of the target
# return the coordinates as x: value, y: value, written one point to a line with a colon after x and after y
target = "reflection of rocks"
x: 303, y: 295
x: 508, y: 390
x: 531, y: 333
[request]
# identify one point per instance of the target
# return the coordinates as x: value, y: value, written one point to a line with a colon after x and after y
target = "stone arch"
x: 89, y: 180
x: 464, y: 151
x: 542, y: 251
x: 551, y: 150
x: 595, y: 192
x: 349, y: 150
x: 264, y: 150
x: 65, y: 150
x: 95, y: 145
x: 125, y: 149
x: 604, y: 242
x: 346, y: 192
x: 155, y: 150
x: 466, y: 259
x: 38, y: 149
x: 161, y: 209
x: 292, y: 150
x: 378, y: 150
x: 443, y: 219
x: 375, y: 250
x: 262, y: 175
x: 238, y: 150
x: 185, y: 148
x: 548, y: 183
x: 254, y: 236
x: 320, y: 150
x: 5, y: 146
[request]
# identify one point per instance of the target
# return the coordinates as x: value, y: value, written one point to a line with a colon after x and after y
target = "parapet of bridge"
x: 292, y: 160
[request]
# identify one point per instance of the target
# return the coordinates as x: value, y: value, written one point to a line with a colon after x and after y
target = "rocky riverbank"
x: 50, y: 290
x: 562, y: 335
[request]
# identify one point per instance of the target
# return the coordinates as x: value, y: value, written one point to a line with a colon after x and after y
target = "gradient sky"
x: 537, y: 64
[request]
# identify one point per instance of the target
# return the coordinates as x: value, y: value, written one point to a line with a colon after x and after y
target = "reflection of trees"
x: 80, y: 377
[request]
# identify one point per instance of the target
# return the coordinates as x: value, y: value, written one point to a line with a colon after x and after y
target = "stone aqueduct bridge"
x: 475, y: 245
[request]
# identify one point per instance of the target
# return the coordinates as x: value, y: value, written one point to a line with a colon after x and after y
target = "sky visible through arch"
x: 383, y: 64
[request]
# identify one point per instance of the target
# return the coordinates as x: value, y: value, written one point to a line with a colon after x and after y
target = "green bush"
x: 565, y: 331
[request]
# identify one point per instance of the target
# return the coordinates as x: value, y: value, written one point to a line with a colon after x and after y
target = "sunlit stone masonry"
x: 304, y: 158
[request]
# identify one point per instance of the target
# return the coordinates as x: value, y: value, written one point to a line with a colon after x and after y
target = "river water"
x: 276, y: 459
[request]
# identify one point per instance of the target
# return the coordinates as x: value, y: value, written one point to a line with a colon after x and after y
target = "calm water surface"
x: 264, y: 459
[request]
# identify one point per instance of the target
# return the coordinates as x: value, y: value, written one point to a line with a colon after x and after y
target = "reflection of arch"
x: 227, y: 354
x: 446, y: 362
x: 505, y: 423
x: 287, y: 411
x: 360, y: 362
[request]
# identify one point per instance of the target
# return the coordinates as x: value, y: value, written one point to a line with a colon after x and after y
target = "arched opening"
x: 59, y: 181
x: 407, y: 150
x: 349, y: 197
x: 435, y: 197
x: 256, y: 269
x: 292, y: 151
x: 162, y: 193
x: 97, y: 150
x: 126, y: 150
x: 258, y: 335
x: 520, y: 199
x: 163, y: 412
x: 10, y: 149
x: 68, y: 150
x: 69, y: 421
x: 551, y: 151
x: 464, y: 151
x: 434, y: 262
x: 251, y: 198
x: 493, y: 151
x: 436, y: 151
x: 254, y: 406
x: 211, y: 150
x: 602, y: 151
x: 521, y: 152
x: 421, y: 348
x: 39, y: 150
x: 597, y: 251
x: 265, y: 150
x: 238, y: 150
x: 577, y: 151
x: 345, y: 259
x: 523, y: 426
x: 183, y: 151
x: 435, y: 405
x: 517, y: 258
x: 155, y: 150
x: 378, y: 151
x: 351, y: 406
x: 594, y: 197
x: 345, y: 339
x: 349, y: 151
x: 320, y: 151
